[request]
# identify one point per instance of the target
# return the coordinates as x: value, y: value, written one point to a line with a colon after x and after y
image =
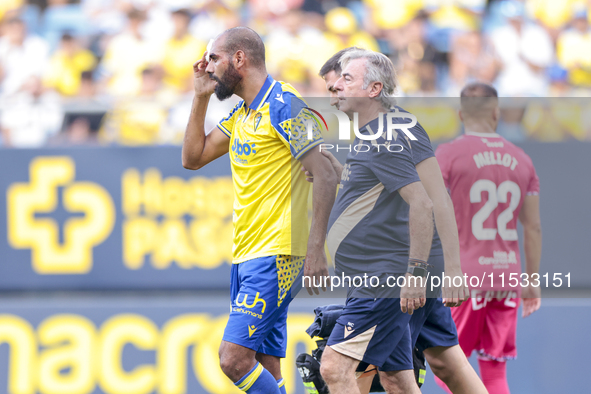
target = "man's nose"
x: 209, y: 68
x: 338, y: 84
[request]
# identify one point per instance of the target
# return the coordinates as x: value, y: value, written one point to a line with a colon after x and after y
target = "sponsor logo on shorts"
x: 244, y: 307
x: 245, y: 304
x: 349, y: 329
x: 247, y: 312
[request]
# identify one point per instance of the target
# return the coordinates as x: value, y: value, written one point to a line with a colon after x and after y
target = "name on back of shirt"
x: 490, y: 158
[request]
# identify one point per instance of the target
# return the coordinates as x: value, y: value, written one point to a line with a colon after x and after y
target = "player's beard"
x: 226, y: 85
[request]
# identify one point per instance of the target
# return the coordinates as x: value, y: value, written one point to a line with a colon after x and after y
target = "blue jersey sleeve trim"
x: 307, y: 149
x: 225, y: 131
x: 224, y: 128
x: 236, y: 107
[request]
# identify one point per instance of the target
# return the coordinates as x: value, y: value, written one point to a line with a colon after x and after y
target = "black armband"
x: 417, y: 267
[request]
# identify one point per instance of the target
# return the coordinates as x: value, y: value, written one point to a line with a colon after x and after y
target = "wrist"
x: 417, y: 267
x: 316, y: 238
x: 202, y: 95
x: 315, y: 247
x: 456, y: 268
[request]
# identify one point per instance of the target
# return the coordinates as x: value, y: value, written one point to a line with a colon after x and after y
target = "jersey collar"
x: 489, y: 135
x: 263, y: 93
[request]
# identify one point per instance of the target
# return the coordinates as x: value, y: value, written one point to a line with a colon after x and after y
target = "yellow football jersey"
x: 270, y: 191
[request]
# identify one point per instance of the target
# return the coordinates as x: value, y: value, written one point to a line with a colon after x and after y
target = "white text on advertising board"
x: 166, y: 220
x: 68, y: 354
x: 156, y: 225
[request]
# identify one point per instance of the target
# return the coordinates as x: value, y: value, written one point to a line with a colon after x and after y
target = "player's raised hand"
x: 203, y: 84
x: 316, y: 269
x: 453, y: 295
x: 413, y: 295
x: 532, y: 299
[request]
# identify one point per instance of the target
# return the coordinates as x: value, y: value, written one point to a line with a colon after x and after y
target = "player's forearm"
x: 323, y: 197
x: 194, y: 141
x: 445, y: 222
x: 532, y: 244
x: 421, y: 228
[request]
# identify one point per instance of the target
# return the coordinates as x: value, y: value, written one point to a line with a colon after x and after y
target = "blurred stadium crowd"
x: 119, y: 71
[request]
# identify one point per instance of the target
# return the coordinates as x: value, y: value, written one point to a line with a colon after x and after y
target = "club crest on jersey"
x: 257, y: 120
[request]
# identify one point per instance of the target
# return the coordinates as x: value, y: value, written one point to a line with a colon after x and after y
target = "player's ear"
x: 239, y: 59
x: 461, y: 116
x: 497, y: 114
x: 375, y: 88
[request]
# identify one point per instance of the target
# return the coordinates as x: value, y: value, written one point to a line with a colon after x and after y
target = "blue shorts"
x: 261, y: 290
x: 374, y: 331
x: 432, y: 325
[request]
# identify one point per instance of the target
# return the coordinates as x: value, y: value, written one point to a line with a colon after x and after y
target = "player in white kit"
x: 492, y: 183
